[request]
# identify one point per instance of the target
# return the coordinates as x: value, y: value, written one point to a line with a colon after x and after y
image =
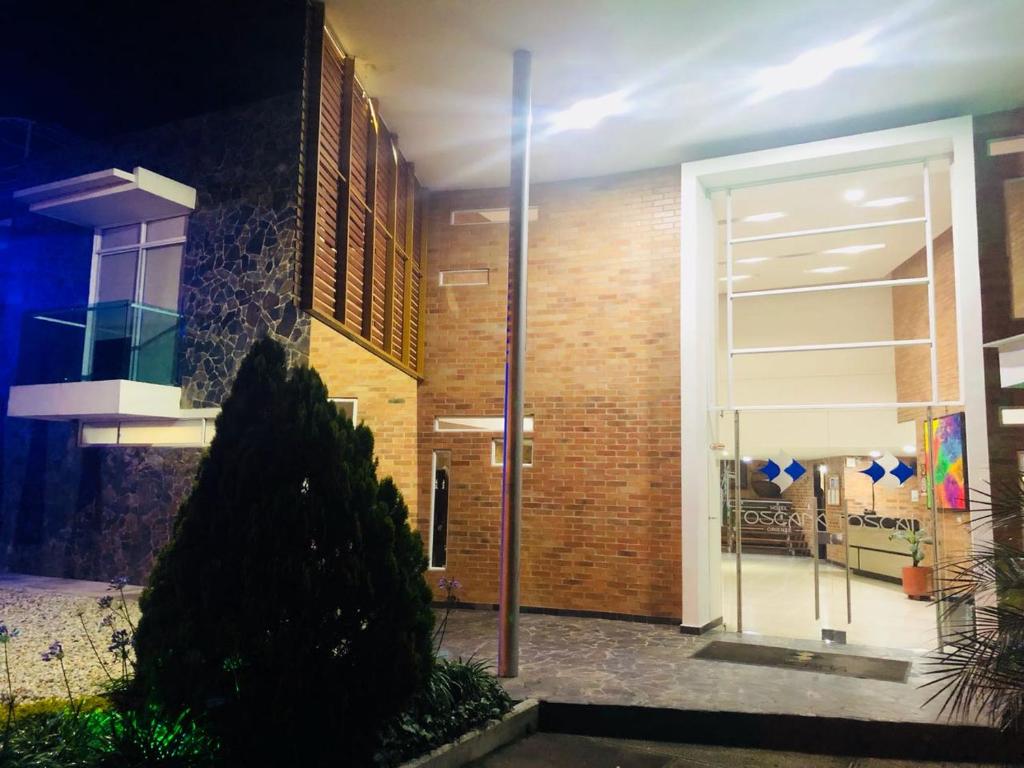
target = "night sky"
x: 102, y: 67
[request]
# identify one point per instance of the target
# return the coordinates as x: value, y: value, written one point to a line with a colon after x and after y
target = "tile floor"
x: 778, y: 600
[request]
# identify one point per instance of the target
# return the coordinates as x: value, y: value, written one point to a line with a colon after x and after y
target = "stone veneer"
x: 101, y: 512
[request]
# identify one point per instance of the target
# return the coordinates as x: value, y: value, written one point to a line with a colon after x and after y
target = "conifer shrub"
x: 289, y: 606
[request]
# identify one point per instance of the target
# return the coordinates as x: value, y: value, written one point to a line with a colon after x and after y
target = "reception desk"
x: 871, y: 551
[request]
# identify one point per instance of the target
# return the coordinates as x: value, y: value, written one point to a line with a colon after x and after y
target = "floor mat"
x: 847, y: 665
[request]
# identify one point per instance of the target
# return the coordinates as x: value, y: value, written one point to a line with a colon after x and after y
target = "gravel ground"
x: 45, y: 610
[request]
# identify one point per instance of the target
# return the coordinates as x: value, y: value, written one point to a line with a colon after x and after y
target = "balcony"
x: 116, y: 359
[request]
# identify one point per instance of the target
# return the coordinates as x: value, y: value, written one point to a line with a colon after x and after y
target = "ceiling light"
x: 753, y: 260
x: 827, y: 270
x: 764, y: 216
x: 909, y: 449
x: 853, y: 195
x: 589, y: 112
x: 856, y: 248
x: 813, y: 67
x: 886, y: 202
x: 734, y: 278
x: 875, y: 454
x: 747, y: 459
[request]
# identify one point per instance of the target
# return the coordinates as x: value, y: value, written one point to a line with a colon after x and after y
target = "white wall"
x: 834, y: 376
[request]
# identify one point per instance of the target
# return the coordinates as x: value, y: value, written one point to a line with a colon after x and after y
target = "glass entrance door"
x: 837, y: 366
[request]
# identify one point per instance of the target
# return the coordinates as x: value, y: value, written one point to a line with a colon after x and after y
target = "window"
x: 498, y: 452
x: 347, y: 405
x: 140, y: 263
x: 441, y: 464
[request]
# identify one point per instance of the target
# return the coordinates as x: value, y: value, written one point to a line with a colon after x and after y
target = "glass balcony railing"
x: 114, y: 340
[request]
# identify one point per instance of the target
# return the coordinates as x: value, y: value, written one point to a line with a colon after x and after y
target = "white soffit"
x: 691, y: 73
x: 115, y: 399
x: 110, y: 197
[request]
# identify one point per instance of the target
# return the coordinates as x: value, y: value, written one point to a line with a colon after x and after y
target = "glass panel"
x: 165, y: 229
x: 1014, y: 194
x: 162, y: 277
x: 439, y: 509
x: 115, y: 237
x: 51, y: 346
x: 110, y: 351
x: 156, y: 359
x: 117, y: 276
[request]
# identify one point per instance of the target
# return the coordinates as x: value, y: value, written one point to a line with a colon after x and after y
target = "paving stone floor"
x: 583, y: 661
x: 549, y: 750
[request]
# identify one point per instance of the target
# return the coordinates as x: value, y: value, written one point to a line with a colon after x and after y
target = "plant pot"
x: 917, y: 582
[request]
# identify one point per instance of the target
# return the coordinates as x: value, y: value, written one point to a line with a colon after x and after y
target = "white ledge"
x: 115, y: 399
x: 110, y: 197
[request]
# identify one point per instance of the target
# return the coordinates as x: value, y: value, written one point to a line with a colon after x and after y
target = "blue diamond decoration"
x: 902, y: 472
x: 771, y: 470
x: 876, y: 472
x: 796, y: 470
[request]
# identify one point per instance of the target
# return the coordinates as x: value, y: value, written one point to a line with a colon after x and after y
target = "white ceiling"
x: 820, y: 203
x: 442, y: 72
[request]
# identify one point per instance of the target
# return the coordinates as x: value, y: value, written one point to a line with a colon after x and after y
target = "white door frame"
x: 701, y: 549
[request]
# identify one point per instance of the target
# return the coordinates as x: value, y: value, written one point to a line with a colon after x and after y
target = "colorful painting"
x: 950, y: 461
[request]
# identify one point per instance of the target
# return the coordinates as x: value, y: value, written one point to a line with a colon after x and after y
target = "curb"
x: 790, y: 733
x: 472, y: 746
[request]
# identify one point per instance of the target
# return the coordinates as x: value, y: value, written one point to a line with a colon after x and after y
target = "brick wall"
x: 999, y: 279
x: 386, y: 402
x: 601, y: 529
x: 910, y: 321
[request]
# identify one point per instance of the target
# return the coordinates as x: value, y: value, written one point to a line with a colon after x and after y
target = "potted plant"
x: 917, y: 582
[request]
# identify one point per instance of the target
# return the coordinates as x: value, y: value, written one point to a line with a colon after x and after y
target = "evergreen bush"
x: 289, y: 606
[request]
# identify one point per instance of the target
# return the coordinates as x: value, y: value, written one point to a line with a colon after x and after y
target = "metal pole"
x: 515, y: 362
x: 738, y: 523
x: 933, y: 509
x: 846, y: 550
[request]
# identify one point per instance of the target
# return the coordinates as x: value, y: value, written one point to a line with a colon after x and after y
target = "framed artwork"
x: 948, y: 449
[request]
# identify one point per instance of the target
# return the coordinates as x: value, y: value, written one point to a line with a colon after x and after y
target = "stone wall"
x: 100, y: 512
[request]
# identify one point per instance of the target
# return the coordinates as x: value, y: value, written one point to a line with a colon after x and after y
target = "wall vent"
x: 470, y: 216
x: 456, y: 277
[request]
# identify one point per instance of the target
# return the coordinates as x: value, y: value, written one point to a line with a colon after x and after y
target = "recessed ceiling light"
x: 887, y: 202
x: 734, y: 278
x: 814, y: 66
x: 875, y: 454
x: 910, y: 449
x: 857, y: 248
x: 853, y: 195
x: 753, y: 260
x: 827, y: 270
x: 764, y: 216
x: 587, y: 113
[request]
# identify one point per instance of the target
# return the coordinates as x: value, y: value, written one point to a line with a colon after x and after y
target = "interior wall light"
x: 854, y: 249
x: 759, y: 217
x: 887, y: 202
